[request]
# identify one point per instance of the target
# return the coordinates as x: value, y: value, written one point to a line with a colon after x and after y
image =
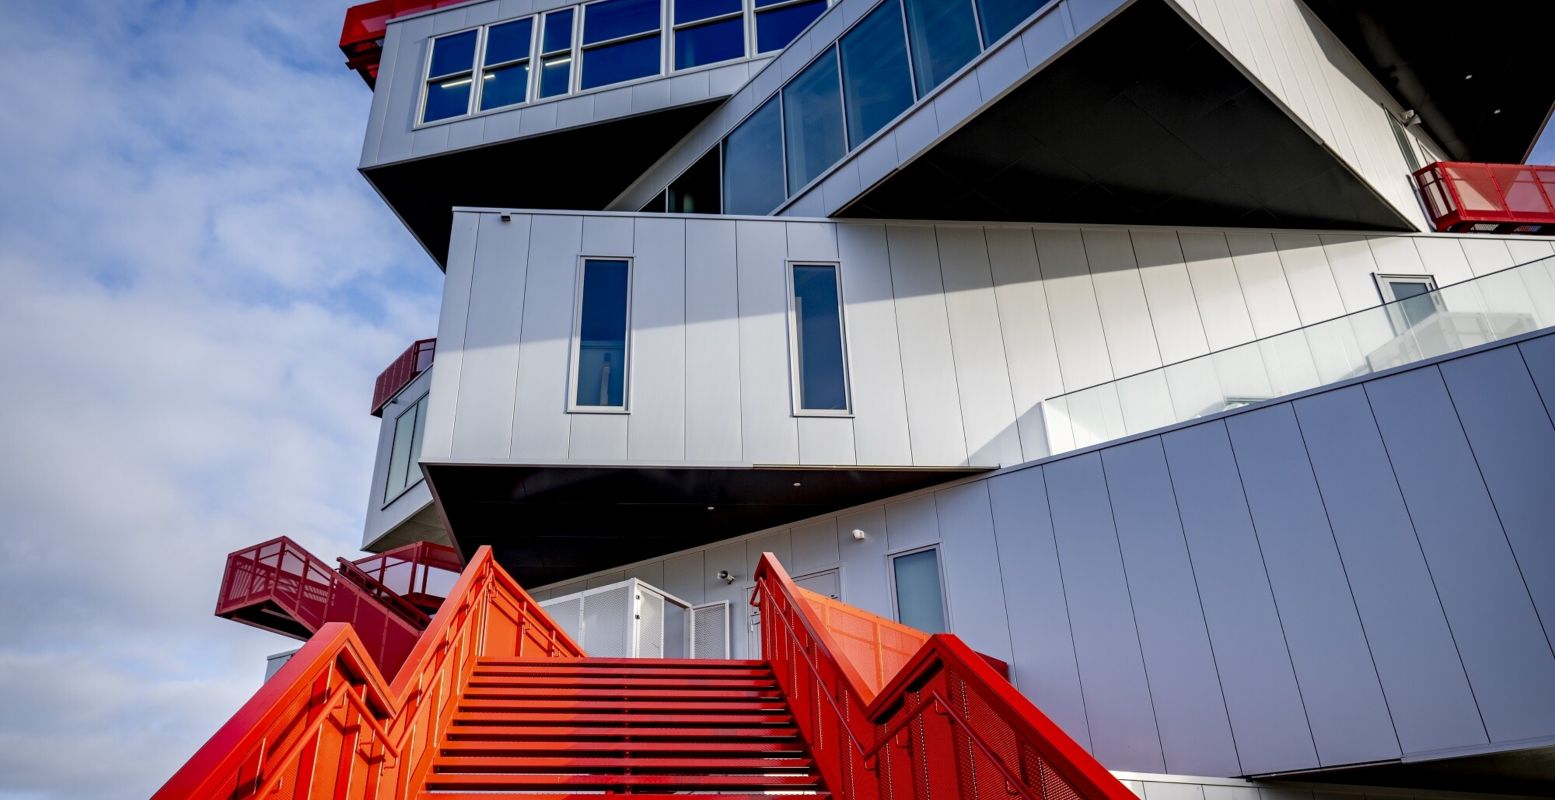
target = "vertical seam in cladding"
x: 1345, y: 571
x: 1182, y: 528
x: 1410, y: 516
x: 1004, y: 353
x: 685, y: 345
x: 950, y: 339
x: 1139, y: 275
x: 998, y: 558
x: 1074, y: 652
x: 1198, y: 310
x: 1128, y: 592
x: 464, y: 338
x: 529, y: 238
x: 1101, y: 319
x: 1521, y: 575
x: 896, y: 325
x: 1274, y: 601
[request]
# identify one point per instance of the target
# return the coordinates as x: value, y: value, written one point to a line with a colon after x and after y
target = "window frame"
x: 752, y: 45
x: 574, y: 43
x: 472, y: 107
x: 418, y: 407
x: 673, y: 28
x: 576, y: 344
x: 580, y: 28
x: 1392, y: 303
x: 939, y: 564
x: 795, y: 386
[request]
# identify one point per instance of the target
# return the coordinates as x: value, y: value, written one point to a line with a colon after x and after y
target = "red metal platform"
x: 415, y: 360
x: 1491, y: 198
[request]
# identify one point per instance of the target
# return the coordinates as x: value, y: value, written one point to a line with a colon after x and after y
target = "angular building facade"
x: 1191, y: 358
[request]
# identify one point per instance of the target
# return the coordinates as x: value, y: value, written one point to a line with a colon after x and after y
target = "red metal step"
x: 541, y: 681
x: 482, y: 691
x: 482, y: 704
x: 742, y: 747
x: 455, y: 795
x: 670, y: 783
x: 517, y: 733
x: 637, y: 764
x: 562, y: 718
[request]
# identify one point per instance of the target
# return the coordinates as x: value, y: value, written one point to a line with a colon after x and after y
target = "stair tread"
x: 538, y: 681
x: 517, y: 733
x: 489, y: 782
x: 664, y: 762
x: 482, y: 705
x: 482, y: 691
x: 456, y: 795
x: 501, y: 749
x: 723, y: 719
x: 592, y: 661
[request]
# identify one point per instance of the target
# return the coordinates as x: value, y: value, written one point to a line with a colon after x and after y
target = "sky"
x: 198, y: 292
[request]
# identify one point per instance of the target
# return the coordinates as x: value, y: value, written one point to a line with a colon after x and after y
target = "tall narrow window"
x: 876, y: 81
x: 942, y: 37
x: 753, y: 163
x: 405, y: 451
x: 505, y: 69
x: 1413, y: 298
x: 450, y: 75
x: 556, y: 54
x: 920, y: 603
x: 819, y: 362
x: 812, y: 121
x: 604, y: 314
x: 708, y: 31
x: 779, y: 21
x: 620, y: 41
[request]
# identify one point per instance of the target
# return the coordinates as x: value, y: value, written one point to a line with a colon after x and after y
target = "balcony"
x: 415, y: 360
x: 1489, y: 198
x: 362, y: 37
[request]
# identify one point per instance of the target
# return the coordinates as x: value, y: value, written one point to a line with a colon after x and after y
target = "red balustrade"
x: 1503, y: 198
x: 361, y: 38
x: 404, y: 369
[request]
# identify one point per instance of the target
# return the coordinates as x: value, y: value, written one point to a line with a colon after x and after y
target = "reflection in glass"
x: 753, y: 163
x: 941, y: 37
x: 696, y: 190
x: 555, y: 73
x: 448, y: 99
x: 710, y: 43
x: 613, y: 19
x: 602, y: 321
x: 818, y: 339
x: 508, y: 41
x: 504, y: 86
x: 776, y: 28
x: 919, y: 603
x: 623, y: 61
x: 693, y: 10
x: 1001, y: 16
x: 812, y: 121
x: 558, y: 31
x: 876, y: 81
x: 1415, y: 302
x: 453, y: 54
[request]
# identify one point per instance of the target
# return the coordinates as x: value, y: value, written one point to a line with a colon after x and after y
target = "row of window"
x: 618, y: 40
x: 896, y: 54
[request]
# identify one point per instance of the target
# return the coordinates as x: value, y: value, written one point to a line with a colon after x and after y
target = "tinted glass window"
x: 1415, y: 301
x: 919, y: 603
x: 1001, y: 16
x: 692, y: 10
x: 753, y: 163
x: 818, y: 339
x: 696, y: 190
x: 812, y: 120
x: 448, y: 99
x: 555, y: 74
x: 622, y: 61
x: 602, y: 334
x: 405, y: 450
x: 776, y: 28
x: 876, y: 82
x: 453, y: 54
x: 508, y: 41
x: 710, y: 42
x: 615, y: 18
x: 941, y: 38
x: 558, y: 31
x: 504, y: 86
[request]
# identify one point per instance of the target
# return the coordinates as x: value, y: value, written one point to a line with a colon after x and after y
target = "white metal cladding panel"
x: 977, y: 344
x: 1311, y: 280
x: 685, y: 576
x: 380, y: 518
x: 442, y: 405
x: 928, y: 362
x: 712, y: 342
x: 822, y: 440
x: 874, y: 363
x: 911, y: 522
x: 865, y: 582
x: 1120, y: 297
x: 1350, y: 258
x: 1071, y: 302
x: 540, y: 419
x: 1444, y: 258
x: 776, y: 542
x: 484, y: 428
x: 658, y: 342
x: 1026, y: 330
x: 1174, y: 312
x: 1216, y: 288
x: 977, y: 614
x: 1258, y: 270
x: 766, y: 422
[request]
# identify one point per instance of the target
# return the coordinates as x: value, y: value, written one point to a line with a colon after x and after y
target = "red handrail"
x: 401, y: 371
x: 329, y: 724
x: 1462, y: 196
x: 983, y: 739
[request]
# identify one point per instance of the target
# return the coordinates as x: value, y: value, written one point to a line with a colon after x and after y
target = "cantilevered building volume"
x: 943, y: 399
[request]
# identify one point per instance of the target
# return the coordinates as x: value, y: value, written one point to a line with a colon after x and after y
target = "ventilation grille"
x: 710, y: 630
x: 650, y: 624
x: 607, y: 621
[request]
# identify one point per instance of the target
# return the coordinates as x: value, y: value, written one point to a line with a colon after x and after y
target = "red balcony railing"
x: 414, y: 361
x: 1500, y: 198
x: 361, y: 39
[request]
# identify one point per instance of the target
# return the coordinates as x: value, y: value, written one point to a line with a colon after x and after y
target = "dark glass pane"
x: 504, y: 86
x: 1415, y: 301
x: 554, y: 75
x: 918, y: 600
x: 413, y: 469
x: 622, y: 61
x: 876, y: 83
x: 812, y: 121
x: 453, y: 54
x: 1001, y: 16
x: 753, y: 163
x: 602, y: 334
x: 400, y: 453
x: 710, y: 43
x: 448, y: 99
x: 818, y: 332
x: 616, y: 18
x: 654, y: 206
x: 941, y: 37
x: 692, y: 10
x: 696, y: 190
x: 776, y: 28
x: 764, y: 3
x: 508, y: 41
x: 558, y: 31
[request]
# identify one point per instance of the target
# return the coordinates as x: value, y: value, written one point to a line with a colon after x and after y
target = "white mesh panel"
x: 650, y: 624
x: 568, y: 613
x: 710, y: 630
x: 607, y: 621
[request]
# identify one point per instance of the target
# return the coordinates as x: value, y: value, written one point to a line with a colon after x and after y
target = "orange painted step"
x: 742, y: 747
x: 517, y: 733
x: 562, y: 718
x: 661, y: 782
x: 630, y: 663
x: 539, y: 681
x: 681, y: 764
x: 478, y: 704
x: 483, y: 692
x: 540, y: 796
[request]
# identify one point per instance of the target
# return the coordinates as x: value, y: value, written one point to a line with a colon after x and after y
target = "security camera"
x: 724, y: 576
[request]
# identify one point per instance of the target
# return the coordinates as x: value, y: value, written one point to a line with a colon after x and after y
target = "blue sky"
x: 199, y: 290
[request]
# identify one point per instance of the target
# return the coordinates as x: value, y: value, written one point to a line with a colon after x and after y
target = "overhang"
x: 547, y: 523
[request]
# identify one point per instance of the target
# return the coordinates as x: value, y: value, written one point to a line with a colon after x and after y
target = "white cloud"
x: 198, y: 290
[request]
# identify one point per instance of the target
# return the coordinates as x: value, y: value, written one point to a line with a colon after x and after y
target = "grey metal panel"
x: 874, y: 366
x: 1411, y: 645
x: 1044, y: 38
x: 1339, y: 685
x: 977, y: 345
x: 484, y: 427
x: 1190, y: 711
x: 957, y: 101
x: 1162, y: 790
x: 826, y: 441
x: 864, y: 581
x: 657, y: 429
x: 977, y: 612
x: 1256, y: 677
x: 1492, y: 617
x: 1043, y: 663
x: 684, y: 576
x: 911, y: 522
x: 541, y: 424
x: 815, y: 546
x: 1001, y: 69
x: 595, y: 438
x: 712, y: 342
x: 437, y: 441
x: 766, y: 419
x: 404, y: 94
x: 1539, y: 357
x: 1106, y: 641
x: 1510, y: 432
x: 923, y: 328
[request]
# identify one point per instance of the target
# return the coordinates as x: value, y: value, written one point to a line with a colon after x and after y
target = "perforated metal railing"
x: 401, y: 371
x: 947, y: 725
x: 1490, y: 197
x: 877, y: 647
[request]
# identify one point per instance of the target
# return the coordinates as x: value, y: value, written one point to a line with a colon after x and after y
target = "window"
x: 919, y: 601
x: 999, y: 17
x: 656, y: 205
x: 876, y: 81
x: 1405, y: 146
x: 620, y: 41
x: 753, y: 163
x: 1412, y: 297
x: 819, y: 362
x: 603, y: 318
x: 942, y: 37
x: 812, y: 121
x: 779, y: 21
x: 505, y: 74
x: 405, y: 452
x: 708, y: 31
x: 450, y: 74
x: 696, y: 190
x: 556, y: 54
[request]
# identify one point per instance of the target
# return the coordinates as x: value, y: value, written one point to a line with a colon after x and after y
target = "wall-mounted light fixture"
x: 724, y: 576
x: 859, y: 534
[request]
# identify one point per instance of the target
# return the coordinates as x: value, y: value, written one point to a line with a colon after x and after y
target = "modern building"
x: 1193, y: 358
